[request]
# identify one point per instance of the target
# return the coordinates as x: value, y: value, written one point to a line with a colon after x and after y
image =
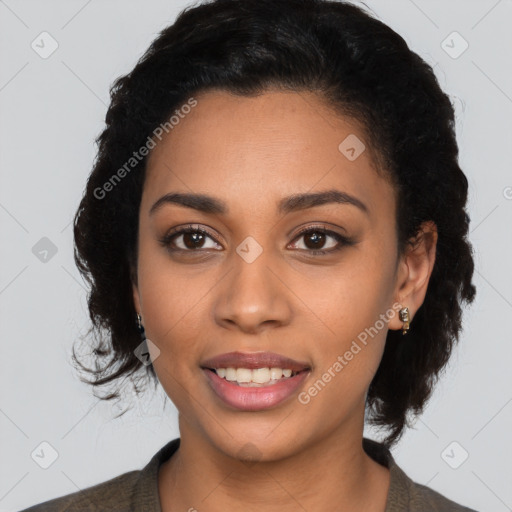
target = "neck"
x: 333, y: 474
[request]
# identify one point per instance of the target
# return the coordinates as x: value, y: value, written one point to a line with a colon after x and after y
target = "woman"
x: 277, y: 207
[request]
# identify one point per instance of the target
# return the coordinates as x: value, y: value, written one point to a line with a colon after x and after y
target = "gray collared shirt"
x: 137, y: 491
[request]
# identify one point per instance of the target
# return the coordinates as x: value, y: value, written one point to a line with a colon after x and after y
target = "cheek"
x: 168, y: 300
x: 353, y: 306
x: 351, y: 297
x: 347, y: 360
x: 170, y: 315
x: 356, y: 336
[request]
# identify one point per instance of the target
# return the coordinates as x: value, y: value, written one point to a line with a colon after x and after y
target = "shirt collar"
x: 145, y: 497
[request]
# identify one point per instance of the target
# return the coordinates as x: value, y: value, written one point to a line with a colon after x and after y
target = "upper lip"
x: 253, y: 360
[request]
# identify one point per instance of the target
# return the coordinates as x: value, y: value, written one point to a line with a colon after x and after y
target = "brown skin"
x: 251, y: 152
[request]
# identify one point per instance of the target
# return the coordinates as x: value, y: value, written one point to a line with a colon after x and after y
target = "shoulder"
x: 425, y: 499
x: 113, y: 494
x: 135, y: 490
x: 404, y: 493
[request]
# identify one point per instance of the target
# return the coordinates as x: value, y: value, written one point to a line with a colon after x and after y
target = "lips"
x: 253, y: 361
x: 258, y: 398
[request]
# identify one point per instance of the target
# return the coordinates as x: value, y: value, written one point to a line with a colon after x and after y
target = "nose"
x: 253, y: 297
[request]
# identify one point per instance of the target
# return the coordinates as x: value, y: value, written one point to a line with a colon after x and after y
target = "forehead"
x: 252, y: 149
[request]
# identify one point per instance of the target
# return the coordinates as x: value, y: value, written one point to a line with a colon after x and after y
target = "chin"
x: 256, y: 445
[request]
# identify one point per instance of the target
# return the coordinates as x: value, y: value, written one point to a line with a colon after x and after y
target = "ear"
x: 414, y: 271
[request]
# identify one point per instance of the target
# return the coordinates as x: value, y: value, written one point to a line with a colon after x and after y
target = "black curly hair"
x: 362, y: 69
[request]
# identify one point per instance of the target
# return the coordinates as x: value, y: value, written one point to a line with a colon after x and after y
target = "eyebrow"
x: 296, y: 202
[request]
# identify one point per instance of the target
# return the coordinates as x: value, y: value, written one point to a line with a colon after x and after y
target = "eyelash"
x: 342, y: 240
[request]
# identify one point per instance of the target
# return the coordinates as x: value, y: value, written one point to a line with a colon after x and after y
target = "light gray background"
x: 51, y: 111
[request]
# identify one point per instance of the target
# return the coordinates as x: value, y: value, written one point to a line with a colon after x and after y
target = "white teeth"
x: 261, y: 375
x: 276, y: 373
x: 243, y: 375
x: 230, y: 374
x: 258, y: 376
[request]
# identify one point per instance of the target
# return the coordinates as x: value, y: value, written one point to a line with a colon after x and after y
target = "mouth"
x: 258, y: 377
x: 254, y: 381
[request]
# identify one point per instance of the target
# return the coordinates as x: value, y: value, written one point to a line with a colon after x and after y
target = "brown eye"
x: 193, y: 240
x: 315, y: 240
x: 188, y: 239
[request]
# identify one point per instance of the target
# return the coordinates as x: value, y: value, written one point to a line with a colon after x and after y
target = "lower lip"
x: 254, y: 398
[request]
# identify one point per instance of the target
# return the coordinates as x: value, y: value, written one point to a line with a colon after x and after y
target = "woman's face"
x: 253, y: 283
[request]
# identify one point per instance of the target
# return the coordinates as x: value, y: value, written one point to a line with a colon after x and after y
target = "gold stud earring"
x: 404, y: 317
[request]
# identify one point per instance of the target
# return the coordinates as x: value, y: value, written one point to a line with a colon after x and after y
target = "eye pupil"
x: 191, y: 240
x: 318, y: 239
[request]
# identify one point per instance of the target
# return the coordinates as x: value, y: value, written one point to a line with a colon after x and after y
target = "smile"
x: 254, y: 381
x: 255, y: 378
